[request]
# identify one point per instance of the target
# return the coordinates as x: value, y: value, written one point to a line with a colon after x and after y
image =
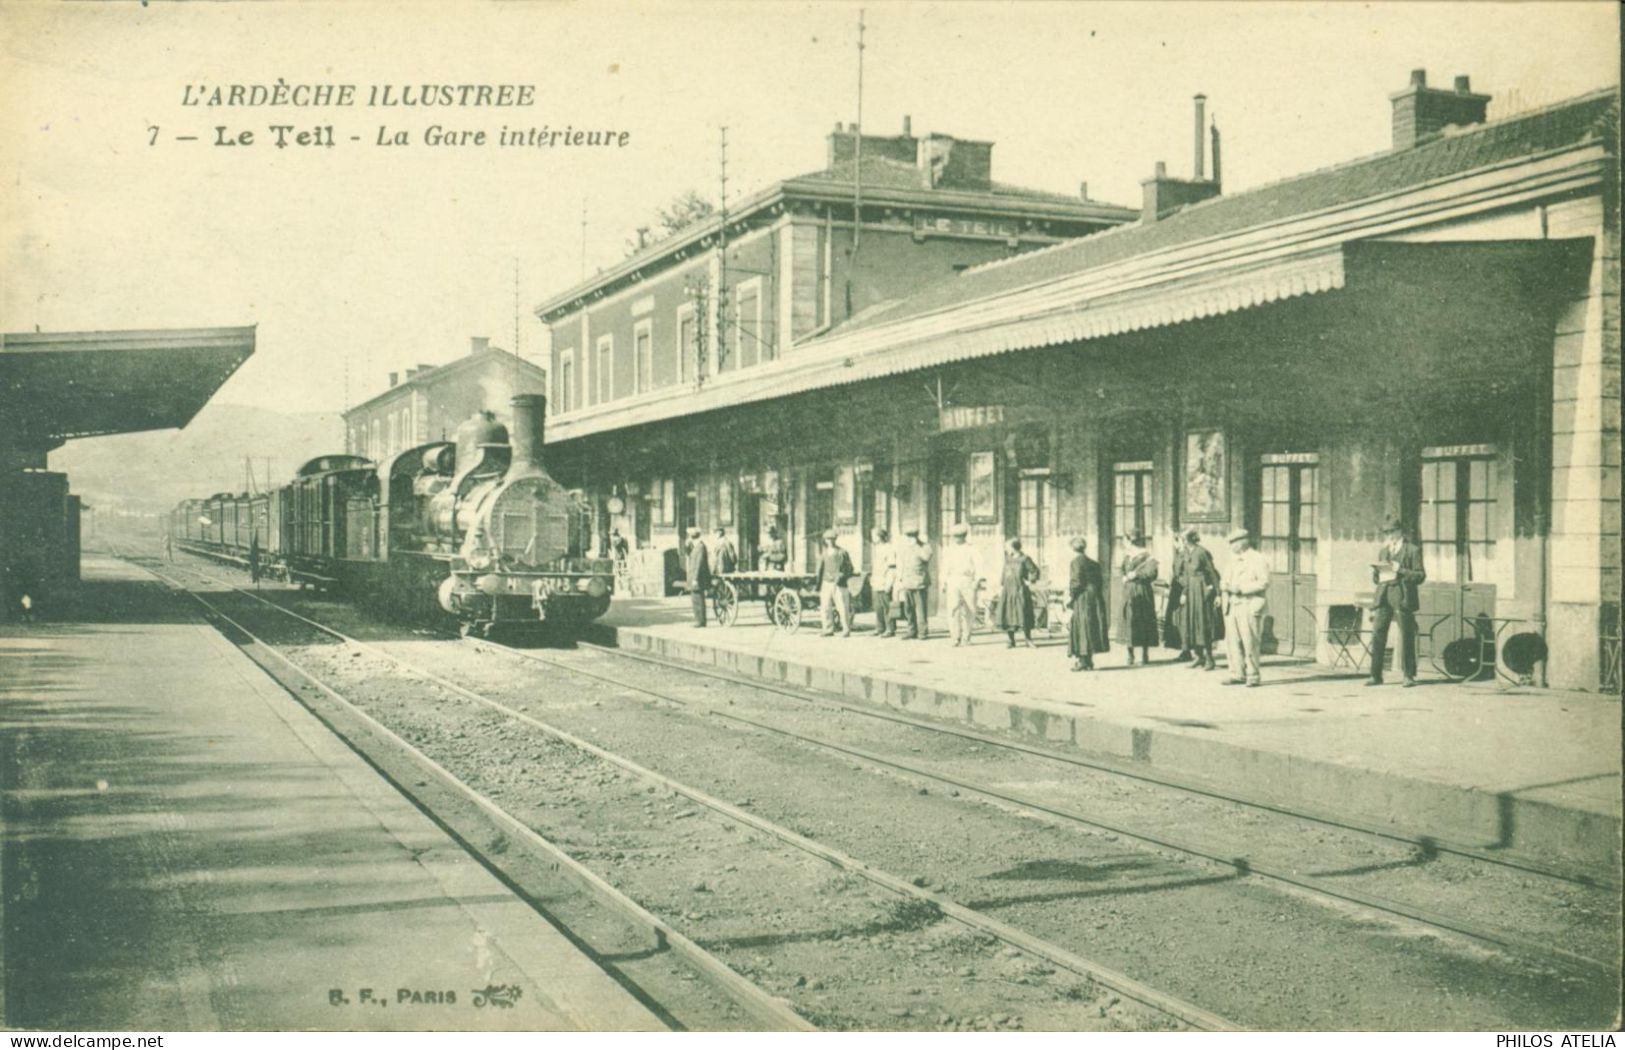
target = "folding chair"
x: 1345, y: 634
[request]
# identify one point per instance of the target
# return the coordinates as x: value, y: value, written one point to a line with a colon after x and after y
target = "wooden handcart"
x: 787, y: 597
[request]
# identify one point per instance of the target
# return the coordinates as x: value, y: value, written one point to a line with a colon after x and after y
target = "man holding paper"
x: 1397, y: 572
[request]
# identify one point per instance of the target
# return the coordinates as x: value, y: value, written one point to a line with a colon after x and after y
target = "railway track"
x: 762, y: 1009
x: 770, y: 1011
x: 664, y: 690
x: 1479, y: 932
x: 1426, y: 845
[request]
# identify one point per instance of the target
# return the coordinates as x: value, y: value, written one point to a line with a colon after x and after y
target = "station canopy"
x: 60, y: 385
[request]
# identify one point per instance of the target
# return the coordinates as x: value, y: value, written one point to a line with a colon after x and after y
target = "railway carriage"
x: 474, y: 528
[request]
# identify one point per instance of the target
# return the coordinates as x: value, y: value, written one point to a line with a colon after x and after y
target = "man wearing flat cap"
x: 961, y: 578
x: 1244, y: 584
x: 1397, y: 571
x: 834, y: 569
x: 913, y: 581
x: 697, y: 565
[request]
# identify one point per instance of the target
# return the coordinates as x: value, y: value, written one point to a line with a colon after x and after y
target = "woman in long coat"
x: 1198, y: 618
x: 1086, y: 597
x: 1015, y: 606
x: 1137, y: 623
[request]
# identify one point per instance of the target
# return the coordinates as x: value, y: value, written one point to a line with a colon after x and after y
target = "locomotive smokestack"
x: 525, y: 437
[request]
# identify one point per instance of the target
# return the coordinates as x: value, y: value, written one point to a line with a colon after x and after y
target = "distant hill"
x: 151, y: 472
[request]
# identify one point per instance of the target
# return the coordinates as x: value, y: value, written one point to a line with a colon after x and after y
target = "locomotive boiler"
x: 474, y: 528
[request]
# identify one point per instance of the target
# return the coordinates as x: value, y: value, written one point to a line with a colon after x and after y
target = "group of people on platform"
x: 1203, y: 607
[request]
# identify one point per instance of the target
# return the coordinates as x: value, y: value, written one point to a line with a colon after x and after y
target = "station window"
x: 688, y: 345
x: 1034, y: 501
x: 605, y: 365
x: 643, y: 361
x: 1288, y: 512
x: 567, y: 381
x: 1457, y: 515
x: 749, y: 347
x: 950, y: 509
x: 1133, y: 507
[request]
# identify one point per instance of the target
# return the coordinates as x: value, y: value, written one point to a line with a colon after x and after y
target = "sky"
x: 360, y: 259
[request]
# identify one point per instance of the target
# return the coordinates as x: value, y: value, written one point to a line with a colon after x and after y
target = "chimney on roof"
x: 1197, y: 170
x: 844, y: 139
x: 908, y: 124
x: 479, y: 343
x: 949, y: 163
x: 1422, y: 112
x: 394, y: 377
x: 1162, y: 194
x: 1083, y: 190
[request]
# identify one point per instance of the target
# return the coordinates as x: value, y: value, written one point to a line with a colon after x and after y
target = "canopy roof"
x: 60, y: 385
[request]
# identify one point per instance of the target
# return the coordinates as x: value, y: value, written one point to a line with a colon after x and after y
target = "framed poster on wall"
x: 846, y: 495
x: 982, y: 500
x: 1206, y: 488
x: 725, y: 502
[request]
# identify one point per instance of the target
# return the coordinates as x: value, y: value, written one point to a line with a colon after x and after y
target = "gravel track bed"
x: 846, y: 954
x: 1539, y: 909
x: 1258, y: 956
x: 1265, y: 958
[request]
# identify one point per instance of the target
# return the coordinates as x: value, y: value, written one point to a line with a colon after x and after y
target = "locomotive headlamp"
x: 584, y: 584
x: 598, y: 587
x: 490, y: 583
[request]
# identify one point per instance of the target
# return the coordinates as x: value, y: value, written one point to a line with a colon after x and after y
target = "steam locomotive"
x: 474, y: 528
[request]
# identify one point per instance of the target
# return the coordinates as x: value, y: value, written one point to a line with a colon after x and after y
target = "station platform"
x: 186, y: 848
x: 1527, y: 770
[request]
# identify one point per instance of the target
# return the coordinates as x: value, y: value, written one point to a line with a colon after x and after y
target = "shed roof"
x: 60, y: 385
x: 1595, y: 115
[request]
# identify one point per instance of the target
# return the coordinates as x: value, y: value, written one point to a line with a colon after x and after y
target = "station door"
x: 1288, y: 522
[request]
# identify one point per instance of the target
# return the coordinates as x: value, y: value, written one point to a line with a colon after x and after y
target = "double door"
x: 1288, y: 536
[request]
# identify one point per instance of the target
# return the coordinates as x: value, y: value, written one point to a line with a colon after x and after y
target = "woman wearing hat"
x: 1086, y: 597
x: 1137, y: 622
x: 1015, y: 608
x: 1198, y: 619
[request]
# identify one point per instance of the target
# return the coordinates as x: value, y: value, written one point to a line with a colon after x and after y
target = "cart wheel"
x: 725, y: 603
x: 787, y: 609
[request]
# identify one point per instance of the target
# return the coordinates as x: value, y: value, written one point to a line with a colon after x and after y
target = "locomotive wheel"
x: 787, y: 609
x: 725, y: 603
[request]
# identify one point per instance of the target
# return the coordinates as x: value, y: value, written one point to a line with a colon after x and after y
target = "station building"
x: 1430, y: 332
x: 739, y: 295
x: 56, y: 386
x: 428, y: 402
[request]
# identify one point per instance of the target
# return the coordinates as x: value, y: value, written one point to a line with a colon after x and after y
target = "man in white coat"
x: 882, y: 581
x: 1244, y: 584
x: 961, y: 578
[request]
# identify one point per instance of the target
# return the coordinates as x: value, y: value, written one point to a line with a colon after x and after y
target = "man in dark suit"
x: 1397, y: 571
x: 697, y: 566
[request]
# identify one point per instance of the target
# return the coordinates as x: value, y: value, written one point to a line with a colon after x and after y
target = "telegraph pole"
x: 583, y: 238
x: 857, y: 175
x: 721, y: 290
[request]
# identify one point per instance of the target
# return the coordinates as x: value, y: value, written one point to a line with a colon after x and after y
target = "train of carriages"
x: 473, y: 527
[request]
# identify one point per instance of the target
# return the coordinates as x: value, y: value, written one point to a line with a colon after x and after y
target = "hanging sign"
x: 968, y: 417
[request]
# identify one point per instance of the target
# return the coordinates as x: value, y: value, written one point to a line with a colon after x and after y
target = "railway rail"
x: 1427, y: 845
x: 761, y: 1006
x: 1238, y: 866
x: 1475, y: 931
x: 763, y: 1009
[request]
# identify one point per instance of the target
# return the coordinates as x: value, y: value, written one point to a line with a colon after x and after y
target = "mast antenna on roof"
x: 857, y: 173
